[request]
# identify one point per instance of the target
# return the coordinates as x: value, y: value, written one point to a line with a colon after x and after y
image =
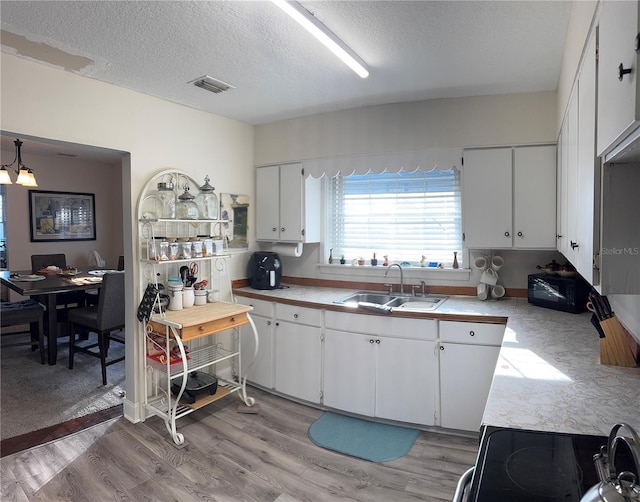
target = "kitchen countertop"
x: 548, y: 376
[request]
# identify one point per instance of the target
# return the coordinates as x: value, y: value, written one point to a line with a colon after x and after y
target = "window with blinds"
x: 402, y: 215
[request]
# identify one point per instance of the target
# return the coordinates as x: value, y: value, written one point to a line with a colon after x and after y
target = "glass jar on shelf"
x: 167, y: 197
x: 186, y: 208
x: 207, y: 201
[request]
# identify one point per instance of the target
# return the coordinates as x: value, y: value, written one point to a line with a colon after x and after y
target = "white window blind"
x: 404, y: 215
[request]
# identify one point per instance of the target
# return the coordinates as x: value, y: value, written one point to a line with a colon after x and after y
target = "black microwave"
x: 569, y: 294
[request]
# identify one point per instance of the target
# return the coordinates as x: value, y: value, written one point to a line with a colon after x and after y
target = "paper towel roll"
x: 288, y: 249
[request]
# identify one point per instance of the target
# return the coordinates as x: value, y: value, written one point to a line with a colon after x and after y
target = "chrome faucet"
x: 401, y: 276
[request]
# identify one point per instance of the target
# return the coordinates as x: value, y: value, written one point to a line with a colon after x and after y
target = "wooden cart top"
x: 200, y: 314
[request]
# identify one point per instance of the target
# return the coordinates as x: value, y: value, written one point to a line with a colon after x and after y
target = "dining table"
x: 47, y: 286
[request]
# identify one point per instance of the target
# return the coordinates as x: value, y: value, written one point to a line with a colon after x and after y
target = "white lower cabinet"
x: 468, y: 356
x: 261, y: 370
x: 391, y: 377
x: 298, y: 352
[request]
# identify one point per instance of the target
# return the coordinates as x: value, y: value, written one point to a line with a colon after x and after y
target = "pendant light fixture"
x: 25, y: 174
x: 310, y: 23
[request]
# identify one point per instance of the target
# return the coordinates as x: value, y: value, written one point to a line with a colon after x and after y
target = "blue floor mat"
x: 371, y: 441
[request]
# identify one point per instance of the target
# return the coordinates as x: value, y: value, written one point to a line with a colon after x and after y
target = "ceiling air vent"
x: 211, y: 84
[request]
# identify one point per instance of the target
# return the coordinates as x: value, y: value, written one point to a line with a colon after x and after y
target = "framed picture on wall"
x: 62, y: 216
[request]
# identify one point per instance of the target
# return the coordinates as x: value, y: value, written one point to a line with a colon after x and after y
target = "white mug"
x: 489, y: 277
x: 480, y: 263
x: 483, y: 291
x: 497, y: 262
x: 213, y: 295
x: 497, y: 291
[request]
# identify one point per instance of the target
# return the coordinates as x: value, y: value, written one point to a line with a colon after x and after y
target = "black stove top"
x: 527, y: 466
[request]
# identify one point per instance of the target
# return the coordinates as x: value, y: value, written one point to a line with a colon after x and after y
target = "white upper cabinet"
x: 534, y: 197
x: 579, y: 194
x: 287, y: 204
x: 509, y: 198
x: 487, y: 198
x: 618, y: 88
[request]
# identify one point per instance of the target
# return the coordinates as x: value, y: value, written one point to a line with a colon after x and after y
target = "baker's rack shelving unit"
x: 201, y: 326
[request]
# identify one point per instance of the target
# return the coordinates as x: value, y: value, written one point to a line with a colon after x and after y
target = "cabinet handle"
x: 274, y: 229
x: 637, y: 44
x: 277, y: 324
x: 378, y: 341
x: 268, y: 323
x: 371, y: 340
x: 282, y: 229
x: 558, y: 236
x: 472, y: 333
x: 622, y: 71
x: 520, y: 234
x: 441, y: 347
x: 295, y: 316
x: 574, y: 245
x: 507, y: 234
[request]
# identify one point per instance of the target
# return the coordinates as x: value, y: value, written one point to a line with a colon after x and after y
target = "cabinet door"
x: 292, y: 210
x: 618, y: 100
x: 534, y: 197
x: 349, y: 372
x: 261, y: 371
x: 405, y: 380
x: 268, y: 203
x: 466, y: 372
x: 297, y: 360
x: 571, y: 189
x: 487, y: 203
x: 588, y: 182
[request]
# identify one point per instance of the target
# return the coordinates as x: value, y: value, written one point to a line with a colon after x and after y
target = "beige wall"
x: 476, y: 121
x: 44, y: 102
x: 64, y: 175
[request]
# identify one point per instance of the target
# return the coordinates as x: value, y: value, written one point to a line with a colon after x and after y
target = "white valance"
x: 426, y: 160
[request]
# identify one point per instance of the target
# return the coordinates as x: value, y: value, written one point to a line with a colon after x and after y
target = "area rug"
x: 371, y: 441
x: 34, y: 396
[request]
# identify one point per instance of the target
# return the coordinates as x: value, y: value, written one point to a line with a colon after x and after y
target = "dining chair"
x: 64, y: 301
x: 42, y: 261
x: 24, y: 312
x: 103, y: 319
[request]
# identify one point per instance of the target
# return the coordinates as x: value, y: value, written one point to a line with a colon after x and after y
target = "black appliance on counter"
x: 526, y: 466
x: 265, y: 270
x: 569, y: 294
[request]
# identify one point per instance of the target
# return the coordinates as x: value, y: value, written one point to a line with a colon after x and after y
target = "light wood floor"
x: 228, y: 456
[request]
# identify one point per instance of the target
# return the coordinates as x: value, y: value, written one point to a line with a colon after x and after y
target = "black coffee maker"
x: 265, y: 270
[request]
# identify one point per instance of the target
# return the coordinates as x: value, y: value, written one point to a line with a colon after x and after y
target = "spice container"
x: 197, y: 248
x: 164, y: 251
x: 174, y: 249
x: 208, y: 248
x: 185, y: 250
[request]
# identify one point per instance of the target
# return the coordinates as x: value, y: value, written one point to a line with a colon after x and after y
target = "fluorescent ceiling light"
x: 326, y: 36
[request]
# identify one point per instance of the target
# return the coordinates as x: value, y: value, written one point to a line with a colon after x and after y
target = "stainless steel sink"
x: 367, y: 297
x: 395, y: 302
x: 417, y: 303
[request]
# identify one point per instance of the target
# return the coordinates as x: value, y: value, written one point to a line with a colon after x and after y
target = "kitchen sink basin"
x: 417, y: 303
x: 371, y: 299
x: 366, y: 297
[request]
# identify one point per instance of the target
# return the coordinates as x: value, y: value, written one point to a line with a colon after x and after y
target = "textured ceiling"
x: 415, y: 50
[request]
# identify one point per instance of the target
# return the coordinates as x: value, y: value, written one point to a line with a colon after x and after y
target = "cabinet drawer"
x: 260, y: 307
x: 293, y: 313
x: 196, y: 331
x: 396, y: 327
x: 471, y: 333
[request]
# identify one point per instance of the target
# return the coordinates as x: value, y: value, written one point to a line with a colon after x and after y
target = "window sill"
x: 448, y: 274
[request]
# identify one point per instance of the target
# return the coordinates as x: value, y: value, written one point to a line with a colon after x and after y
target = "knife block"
x: 617, y: 348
